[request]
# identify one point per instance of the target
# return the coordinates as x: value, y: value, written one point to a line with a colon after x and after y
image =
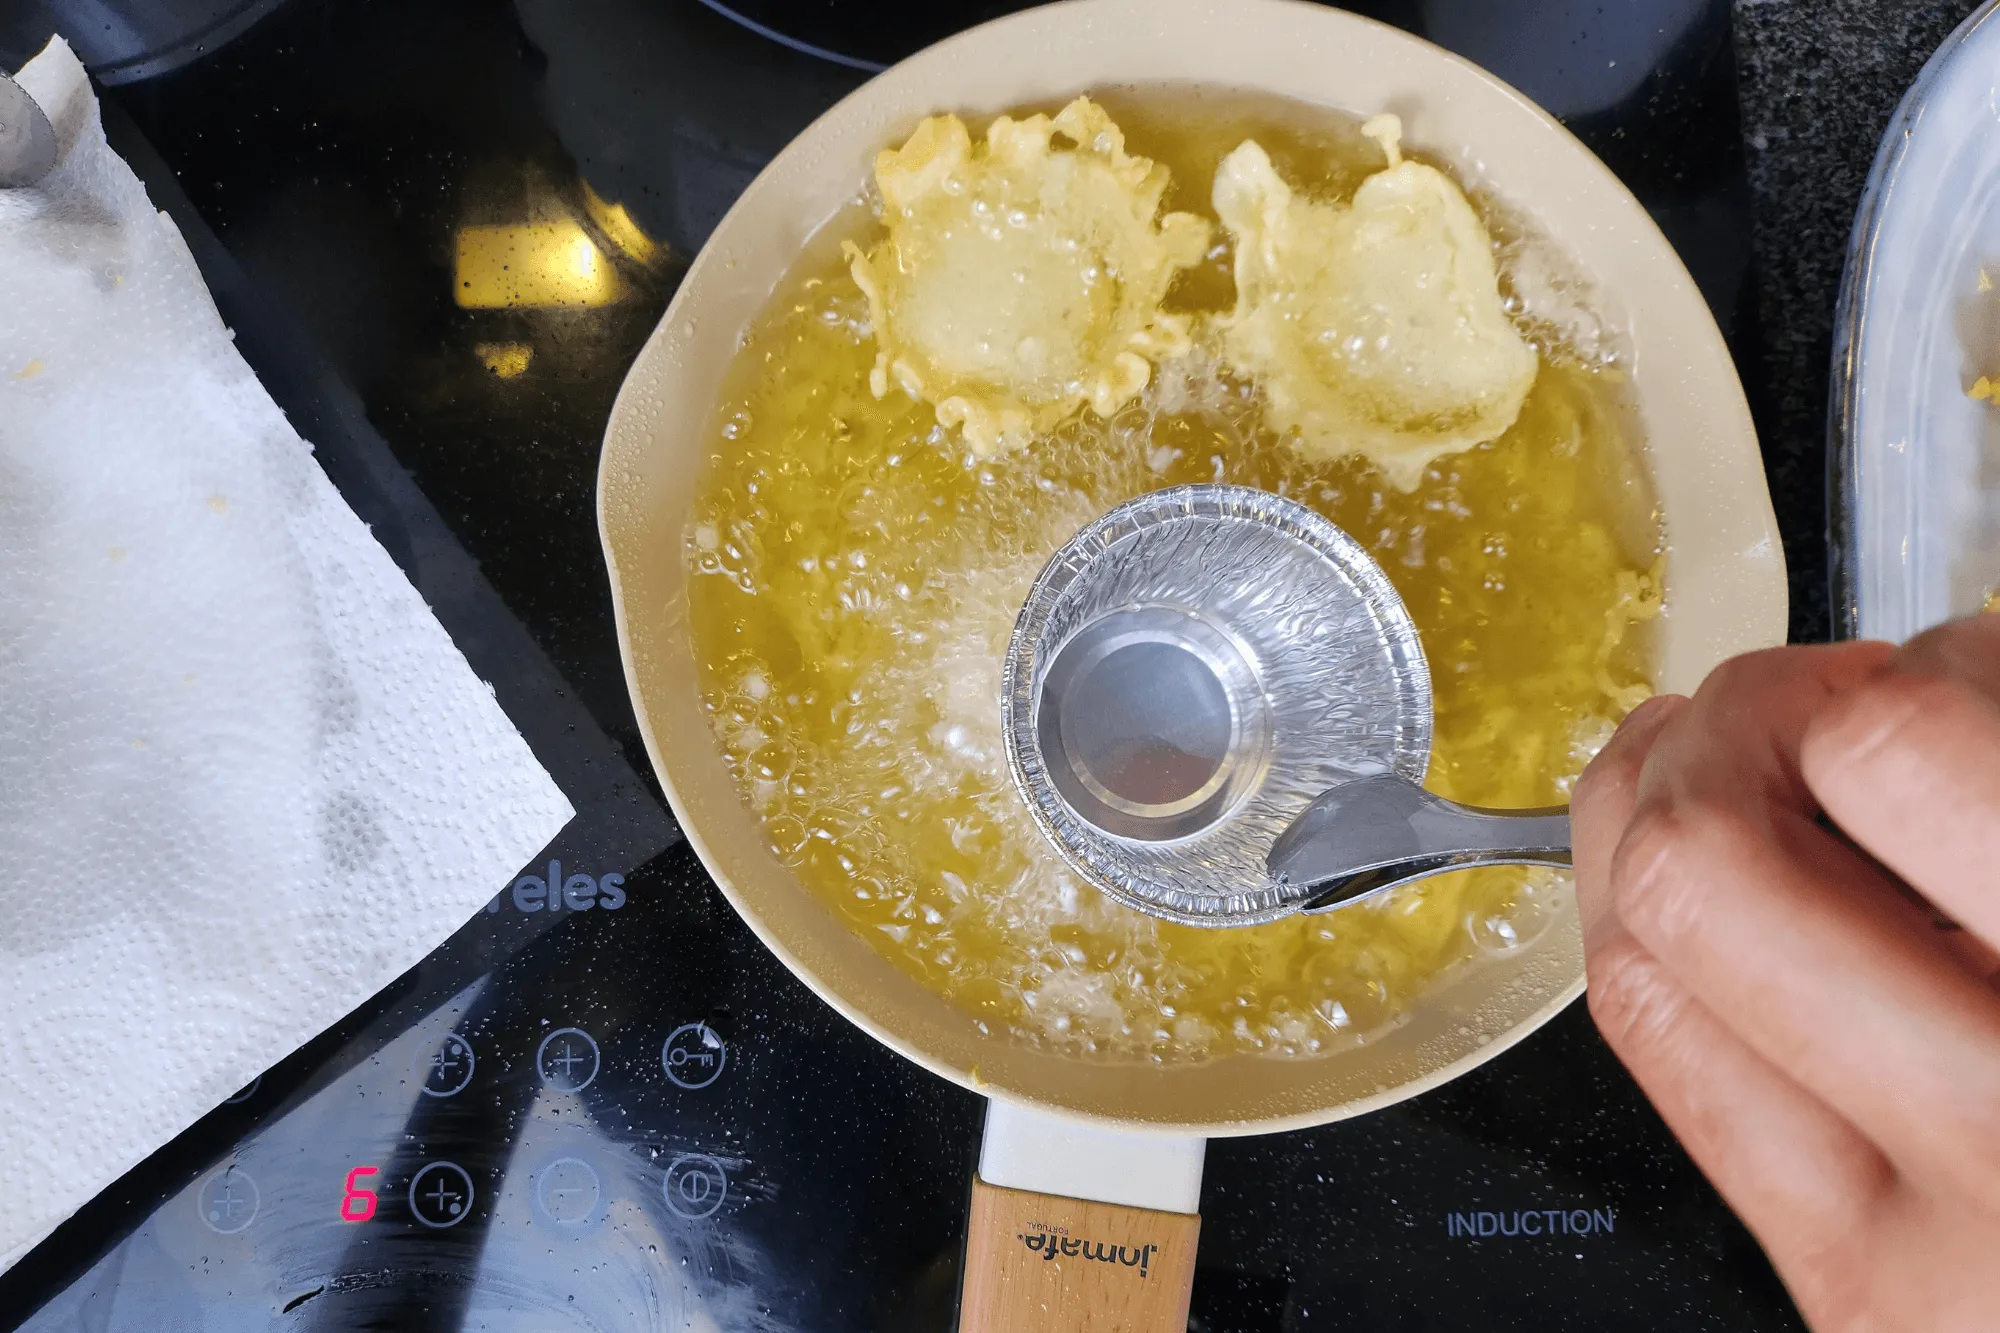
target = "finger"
x: 1967, y: 648
x: 1601, y: 804
x: 1802, y: 1178
x: 1797, y: 1173
x: 1741, y: 739
x: 1908, y: 764
x: 1791, y: 937
x: 1804, y: 950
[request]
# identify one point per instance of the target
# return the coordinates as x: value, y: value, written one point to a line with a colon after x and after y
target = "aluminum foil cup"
x: 1187, y: 674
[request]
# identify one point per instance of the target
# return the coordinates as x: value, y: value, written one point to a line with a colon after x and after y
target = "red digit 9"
x: 357, y: 1204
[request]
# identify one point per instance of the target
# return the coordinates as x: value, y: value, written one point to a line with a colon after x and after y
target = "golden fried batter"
x: 1020, y: 280
x: 1374, y: 327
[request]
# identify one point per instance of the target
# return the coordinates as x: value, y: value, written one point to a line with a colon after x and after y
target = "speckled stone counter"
x: 1819, y: 80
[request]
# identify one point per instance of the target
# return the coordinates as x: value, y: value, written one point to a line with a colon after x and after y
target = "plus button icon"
x: 567, y: 1059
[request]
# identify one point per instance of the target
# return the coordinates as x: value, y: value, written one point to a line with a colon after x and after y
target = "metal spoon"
x: 27, y: 140
x: 1367, y: 836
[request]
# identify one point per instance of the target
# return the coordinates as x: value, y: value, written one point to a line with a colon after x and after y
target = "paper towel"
x: 245, y: 777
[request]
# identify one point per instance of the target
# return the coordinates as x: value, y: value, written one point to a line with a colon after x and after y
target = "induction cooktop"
x: 602, y: 1105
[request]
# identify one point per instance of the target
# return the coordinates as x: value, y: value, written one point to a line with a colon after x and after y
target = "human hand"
x: 1824, y: 1039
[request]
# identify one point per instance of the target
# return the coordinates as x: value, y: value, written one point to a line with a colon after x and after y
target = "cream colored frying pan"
x: 1104, y: 1159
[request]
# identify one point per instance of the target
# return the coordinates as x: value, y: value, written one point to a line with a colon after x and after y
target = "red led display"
x: 357, y: 1204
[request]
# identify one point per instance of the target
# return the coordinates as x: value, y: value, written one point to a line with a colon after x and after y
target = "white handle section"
x: 1027, y: 1150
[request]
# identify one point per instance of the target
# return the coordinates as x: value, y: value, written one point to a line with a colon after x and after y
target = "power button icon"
x: 694, y: 1055
x: 695, y: 1185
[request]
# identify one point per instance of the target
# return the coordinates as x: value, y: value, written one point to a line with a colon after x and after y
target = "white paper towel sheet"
x: 245, y: 777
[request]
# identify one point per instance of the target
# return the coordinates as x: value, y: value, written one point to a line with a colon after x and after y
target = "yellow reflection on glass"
x: 533, y: 264
x: 617, y: 224
x: 504, y: 359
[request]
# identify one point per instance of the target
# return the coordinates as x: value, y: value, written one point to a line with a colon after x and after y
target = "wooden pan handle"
x: 1040, y: 1263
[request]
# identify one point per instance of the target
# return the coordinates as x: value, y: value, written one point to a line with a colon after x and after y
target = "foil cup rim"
x: 1267, y: 900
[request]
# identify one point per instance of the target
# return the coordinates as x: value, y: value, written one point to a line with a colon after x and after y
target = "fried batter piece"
x: 1375, y: 327
x: 1019, y: 279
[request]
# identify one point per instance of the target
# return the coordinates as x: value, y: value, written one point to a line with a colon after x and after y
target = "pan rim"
x: 1762, y: 618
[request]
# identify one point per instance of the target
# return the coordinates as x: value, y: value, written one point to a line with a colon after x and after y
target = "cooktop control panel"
x: 602, y: 1135
x: 620, y: 1126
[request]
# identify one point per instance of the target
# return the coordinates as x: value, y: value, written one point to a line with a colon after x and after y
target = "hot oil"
x: 858, y: 573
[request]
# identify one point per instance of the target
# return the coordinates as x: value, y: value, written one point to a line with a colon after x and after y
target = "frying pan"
x: 1083, y: 1215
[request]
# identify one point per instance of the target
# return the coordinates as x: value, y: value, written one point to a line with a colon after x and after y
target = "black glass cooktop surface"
x: 602, y: 1105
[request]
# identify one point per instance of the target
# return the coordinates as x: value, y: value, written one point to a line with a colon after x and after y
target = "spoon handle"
x: 1366, y: 837
x: 1477, y: 831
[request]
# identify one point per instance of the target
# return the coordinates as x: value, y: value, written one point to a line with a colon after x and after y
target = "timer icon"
x: 228, y: 1201
x: 448, y: 1067
x: 441, y: 1195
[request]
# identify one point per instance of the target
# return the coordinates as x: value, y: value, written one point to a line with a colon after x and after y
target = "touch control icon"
x: 694, y: 1055
x: 448, y: 1067
x: 567, y: 1059
x: 228, y: 1200
x: 440, y: 1194
x: 695, y: 1185
x: 567, y: 1194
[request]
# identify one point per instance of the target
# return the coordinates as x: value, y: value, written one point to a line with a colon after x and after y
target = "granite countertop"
x: 1818, y: 82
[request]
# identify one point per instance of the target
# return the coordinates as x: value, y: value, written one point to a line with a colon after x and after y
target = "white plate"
x: 1916, y: 462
